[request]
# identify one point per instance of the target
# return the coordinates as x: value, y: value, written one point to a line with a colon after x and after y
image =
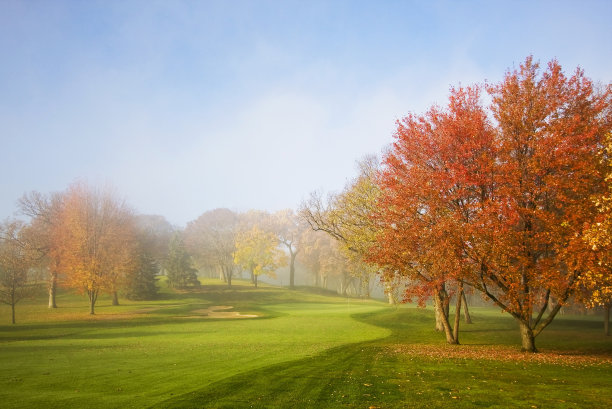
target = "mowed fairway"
x: 304, y: 350
x: 142, y: 354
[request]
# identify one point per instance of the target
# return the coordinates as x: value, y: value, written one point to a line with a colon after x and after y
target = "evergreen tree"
x: 141, y: 285
x: 178, y: 265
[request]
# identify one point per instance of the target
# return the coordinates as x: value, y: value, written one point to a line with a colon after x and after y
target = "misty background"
x: 185, y: 106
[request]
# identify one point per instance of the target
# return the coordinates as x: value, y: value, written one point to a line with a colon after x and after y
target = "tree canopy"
x: 94, y: 241
x: 499, y: 199
x: 257, y: 252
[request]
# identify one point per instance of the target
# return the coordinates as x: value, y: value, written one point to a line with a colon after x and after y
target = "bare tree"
x: 16, y: 262
x: 211, y: 239
x: 44, y: 210
x: 347, y: 217
x: 289, y: 228
x: 154, y: 233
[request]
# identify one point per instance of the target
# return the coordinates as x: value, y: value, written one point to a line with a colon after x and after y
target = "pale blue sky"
x: 185, y: 106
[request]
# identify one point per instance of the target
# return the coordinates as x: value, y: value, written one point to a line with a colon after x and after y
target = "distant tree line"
x: 84, y: 239
x: 88, y: 240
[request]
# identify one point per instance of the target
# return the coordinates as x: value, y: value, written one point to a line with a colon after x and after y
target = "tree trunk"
x: 52, y: 289
x: 438, y: 314
x: 458, y: 312
x: 346, y: 286
x: 353, y: 285
x: 440, y: 306
x: 466, y: 311
x: 607, y: 320
x: 446, y: 305
x: 226, y: 276
x: 527, y: 337
x: 92, y: 303
x: 441, y: 313
x: 255, y: 280
x: 292, y: 268
x: 115, y: 298
x: 13, y: 312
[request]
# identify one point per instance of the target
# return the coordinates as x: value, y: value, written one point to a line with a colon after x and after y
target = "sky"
x: 188, y: 106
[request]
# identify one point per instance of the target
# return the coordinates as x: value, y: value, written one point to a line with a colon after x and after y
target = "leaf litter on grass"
x: 501, y: 353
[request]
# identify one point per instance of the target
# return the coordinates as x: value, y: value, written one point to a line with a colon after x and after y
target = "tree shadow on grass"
x: 247, y: 294
x: 304, y: 383
x: 83, y: 329
x: 369, y: 374
x: 160, y: 313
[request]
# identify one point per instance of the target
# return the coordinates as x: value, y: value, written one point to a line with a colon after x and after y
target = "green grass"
x: 305, y: 350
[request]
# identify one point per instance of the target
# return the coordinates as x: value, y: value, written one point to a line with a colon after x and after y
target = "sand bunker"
x: 220, y: 311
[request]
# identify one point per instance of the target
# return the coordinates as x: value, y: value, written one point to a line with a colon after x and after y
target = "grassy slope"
x: 373, y: 375
x: 307, y: 351
x: 156, y: 350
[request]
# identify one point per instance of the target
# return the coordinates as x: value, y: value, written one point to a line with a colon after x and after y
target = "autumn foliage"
x: 596, y: 283
x: 510, y: 199
x: 94, y: 241
x: 257, y: 252
x: 499, y: 198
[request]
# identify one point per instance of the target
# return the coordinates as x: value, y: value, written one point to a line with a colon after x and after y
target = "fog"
x: 191, y: 106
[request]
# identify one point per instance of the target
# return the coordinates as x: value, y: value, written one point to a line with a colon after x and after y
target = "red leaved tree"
x: 501, y: 204
x: 433, y: 178
x: 529, y: 252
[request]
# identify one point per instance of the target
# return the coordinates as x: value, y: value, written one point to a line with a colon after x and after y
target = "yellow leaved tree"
x: 257, y: 252
x: 597, y: 282
x: 347, y: 217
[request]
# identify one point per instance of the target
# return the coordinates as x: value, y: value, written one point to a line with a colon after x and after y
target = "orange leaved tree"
x: 94, y: 240
x: 527, y: 246
x: 433, y: 177
x: 500, y: 202
x: 597, y: 282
